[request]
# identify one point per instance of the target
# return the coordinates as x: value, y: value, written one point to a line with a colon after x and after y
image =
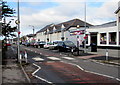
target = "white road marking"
x: 53, y: 58
x: 38, y: 59
x: 92, y: 72
x: 118, y: 79
x: 100, y: 74
x: 69, y: 58
x: 74, y: 65
x: 46, y: 55
x: 33, y: 74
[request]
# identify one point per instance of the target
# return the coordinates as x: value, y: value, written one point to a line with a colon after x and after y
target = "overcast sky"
x: 41, y: 13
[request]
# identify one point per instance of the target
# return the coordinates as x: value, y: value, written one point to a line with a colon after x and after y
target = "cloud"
x: 66, y: 11
x: 103, y: 14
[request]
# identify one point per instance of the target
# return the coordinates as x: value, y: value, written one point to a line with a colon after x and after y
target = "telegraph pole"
x: 18, y: 23
x: 85, y: 30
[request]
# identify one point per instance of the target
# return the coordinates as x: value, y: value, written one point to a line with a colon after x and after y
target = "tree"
x: 7, y: 12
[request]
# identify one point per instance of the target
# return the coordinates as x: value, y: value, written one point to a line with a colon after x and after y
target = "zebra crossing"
x: 52, y: 58
x: 38, y: 59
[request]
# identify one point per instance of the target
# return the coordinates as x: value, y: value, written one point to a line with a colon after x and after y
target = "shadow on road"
x: 104, y: 58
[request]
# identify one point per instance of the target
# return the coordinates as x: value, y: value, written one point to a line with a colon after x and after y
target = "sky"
x: 40, y: 13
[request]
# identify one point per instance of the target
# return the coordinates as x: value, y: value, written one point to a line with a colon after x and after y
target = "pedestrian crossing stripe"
x: 69, y: 58
x: 37, y: 59
x: 53, y: 58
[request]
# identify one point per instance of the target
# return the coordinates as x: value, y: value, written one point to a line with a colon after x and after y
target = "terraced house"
x: 105, y: 35
x: 60, y: 31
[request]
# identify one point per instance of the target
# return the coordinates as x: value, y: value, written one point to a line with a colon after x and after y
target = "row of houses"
x: 75, y: 30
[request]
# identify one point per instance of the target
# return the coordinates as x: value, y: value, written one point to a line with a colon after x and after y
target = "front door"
x: 94, y: 38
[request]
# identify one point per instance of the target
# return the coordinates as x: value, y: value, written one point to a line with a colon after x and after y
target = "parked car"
x: 27, y: 44
x: 48, y: 44
x: 40, y: 43
x: 8, y: 44
x: 32, y: 43
x: 67, y: 46
x: 23, y: 43
x: 36, y: 44
x: 55, y: 45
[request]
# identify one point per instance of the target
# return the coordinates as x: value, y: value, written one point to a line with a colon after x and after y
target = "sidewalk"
x: 11, y: 71
x: 100, y: 56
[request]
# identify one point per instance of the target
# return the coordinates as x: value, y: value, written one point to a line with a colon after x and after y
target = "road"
x: 58, y: 67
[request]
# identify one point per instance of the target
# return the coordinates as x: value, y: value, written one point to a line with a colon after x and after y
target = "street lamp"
x: 33, y: 28
x: 85, y: 31
x: 33, y: 31
x: 18, y: 24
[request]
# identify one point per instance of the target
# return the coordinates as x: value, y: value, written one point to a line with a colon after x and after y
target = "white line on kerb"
x: 33, y: 74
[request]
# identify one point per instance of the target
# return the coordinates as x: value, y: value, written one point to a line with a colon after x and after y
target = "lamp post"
x: 85, y: 31
x: 18, y: 24
x: 33, y: 30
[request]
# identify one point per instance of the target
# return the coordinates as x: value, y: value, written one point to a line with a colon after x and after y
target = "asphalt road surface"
x: 57, y: 67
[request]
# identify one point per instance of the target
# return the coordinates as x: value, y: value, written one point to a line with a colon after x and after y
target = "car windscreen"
x: 49, y: 43
x: 56, y: 43
x: 69, y: 43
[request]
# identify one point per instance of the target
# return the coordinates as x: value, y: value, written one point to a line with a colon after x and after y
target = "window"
x: 103, y: 38
x: 112, y: 38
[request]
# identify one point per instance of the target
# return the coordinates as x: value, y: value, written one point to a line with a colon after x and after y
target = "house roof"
x: 75, y: 22
x: 117, y: 10
x: 45, y: 28
x: 71, y: 23
x: 109, y: 24
x: 67, y: 25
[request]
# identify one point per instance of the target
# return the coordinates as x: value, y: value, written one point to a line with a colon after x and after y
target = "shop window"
x: 112, y: 38
x: 103, y: 38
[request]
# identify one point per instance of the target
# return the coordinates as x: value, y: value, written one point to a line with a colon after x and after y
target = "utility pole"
x: 85, y: 31
x: 18, y: 23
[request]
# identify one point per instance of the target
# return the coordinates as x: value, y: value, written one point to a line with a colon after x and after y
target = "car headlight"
x: 67, y: 47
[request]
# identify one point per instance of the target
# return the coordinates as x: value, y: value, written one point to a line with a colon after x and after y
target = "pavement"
x: 113, y: 57
x: 11, y: 70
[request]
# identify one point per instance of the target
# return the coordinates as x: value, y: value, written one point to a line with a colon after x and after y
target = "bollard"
x: 20, y: 58
x: 26, y: 57
x: 107, y: 54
